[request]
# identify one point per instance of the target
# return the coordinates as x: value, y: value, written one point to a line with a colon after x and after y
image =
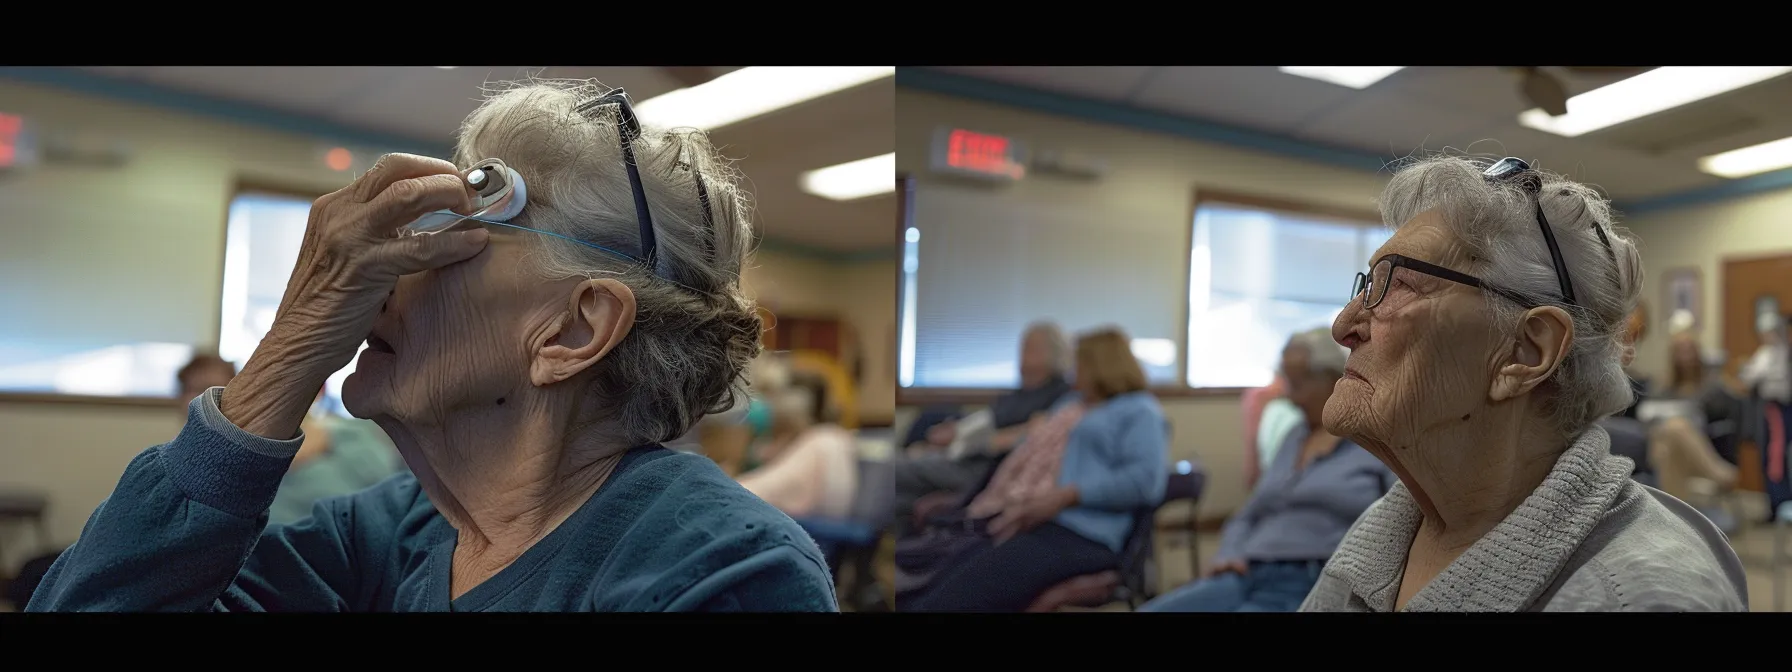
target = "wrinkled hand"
x: 349, y: 261
x: 1022, y: 516
x: 1228, y: 567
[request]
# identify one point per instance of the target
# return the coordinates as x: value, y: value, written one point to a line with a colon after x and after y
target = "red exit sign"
x: 978, y: 154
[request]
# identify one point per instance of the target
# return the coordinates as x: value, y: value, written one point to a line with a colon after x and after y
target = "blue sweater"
x: 1118, y: 459
x: 186, y: 530
x: 1302, y: 514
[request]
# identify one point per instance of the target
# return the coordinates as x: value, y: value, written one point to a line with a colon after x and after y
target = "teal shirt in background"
x: 186, y: 530
x: 360, y: 456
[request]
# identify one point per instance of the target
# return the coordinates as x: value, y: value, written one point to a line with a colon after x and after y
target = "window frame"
x: 1346, y: 216
x: 238, y: 187
x: 1199, y: 196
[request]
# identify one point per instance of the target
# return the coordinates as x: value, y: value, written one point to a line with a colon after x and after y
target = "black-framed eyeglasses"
x: 628, y: 130
x: 1373, y: 286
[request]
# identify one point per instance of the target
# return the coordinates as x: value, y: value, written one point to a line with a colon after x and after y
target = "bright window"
x: 1258, y: 276
x: 261, y: 247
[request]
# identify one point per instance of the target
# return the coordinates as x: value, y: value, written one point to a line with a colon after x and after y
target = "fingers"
x: 410, y: 198
x: 393, y: 168
x: 415, y: 254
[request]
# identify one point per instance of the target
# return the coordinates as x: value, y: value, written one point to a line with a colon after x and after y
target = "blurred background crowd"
x: 1152, y: 256
x: 1215, y: 216
x: 155, y: 214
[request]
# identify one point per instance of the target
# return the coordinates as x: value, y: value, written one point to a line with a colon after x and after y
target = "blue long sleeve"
x: 1238, y: 528
x: 184, y: 531
x: 1139, y: 471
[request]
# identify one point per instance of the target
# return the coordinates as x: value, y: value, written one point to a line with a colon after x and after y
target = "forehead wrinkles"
x: 1427, y: 237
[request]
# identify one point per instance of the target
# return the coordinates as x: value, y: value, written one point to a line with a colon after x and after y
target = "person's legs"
x: 1279, y: 587
x: 1007, y: 577
x: 1681, y: 452
x: 918, y: 477
x: 1221, y: 592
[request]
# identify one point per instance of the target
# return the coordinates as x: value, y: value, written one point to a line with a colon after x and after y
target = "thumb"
x: 418, y: 253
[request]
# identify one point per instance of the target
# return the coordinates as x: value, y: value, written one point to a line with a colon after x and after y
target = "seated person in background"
x: 1269, y: 417
x: 1272, y: 550
x: 339, y: 456
x: 810, y: 466
x: 1679, y: 446
x: 726, y: 437
x: 1254, y: 402
x: 205, y: 371
x: 1063, y: 504
x: 958, y: 455
x: 528, y: 370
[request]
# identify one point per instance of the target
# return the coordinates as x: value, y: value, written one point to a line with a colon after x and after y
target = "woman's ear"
x: 1544, y: 336
x: 599, y: 315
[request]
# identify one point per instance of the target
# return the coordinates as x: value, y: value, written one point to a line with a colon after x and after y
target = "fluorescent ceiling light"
x: 1750, y: 160
x: 855, y: 179
x: 1353, y: 76
x: 447, y: 67
x: 750, y: 92
x: 1654, y: 91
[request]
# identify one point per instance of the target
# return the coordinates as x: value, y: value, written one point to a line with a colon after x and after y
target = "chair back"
x: 1141, y: 547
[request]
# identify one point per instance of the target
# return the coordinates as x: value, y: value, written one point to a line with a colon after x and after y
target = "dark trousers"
x: 987, y: 577
x: 918, y: 477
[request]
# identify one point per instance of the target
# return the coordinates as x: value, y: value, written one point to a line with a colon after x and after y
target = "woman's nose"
x: 1344, y: 328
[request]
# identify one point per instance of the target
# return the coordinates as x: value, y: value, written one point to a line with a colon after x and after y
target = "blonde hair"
x: 1104, y: 361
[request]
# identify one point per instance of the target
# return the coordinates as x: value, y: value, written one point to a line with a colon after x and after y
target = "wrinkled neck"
x: 1466, y: 476
x: 506, y: 475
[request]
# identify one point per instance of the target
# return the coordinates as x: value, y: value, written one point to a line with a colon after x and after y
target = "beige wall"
x: 1701, y: 237
x: 1151, y: 176
x: 140, y: 246
x: 863, y: 294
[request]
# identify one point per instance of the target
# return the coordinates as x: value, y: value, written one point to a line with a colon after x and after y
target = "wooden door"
x: 1745, y: 280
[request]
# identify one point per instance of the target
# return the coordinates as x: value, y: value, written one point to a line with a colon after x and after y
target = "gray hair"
x: 1324, y: 354
x: 1054, y: 338
x: 1497, y: 224
x: 695, y: 331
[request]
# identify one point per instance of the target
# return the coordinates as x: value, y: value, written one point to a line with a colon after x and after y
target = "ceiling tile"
x: 1622, y: 174
x: 1258, y: 97
x: 1112, y: 83
x: 306, y: 89
x: 1393, y: 125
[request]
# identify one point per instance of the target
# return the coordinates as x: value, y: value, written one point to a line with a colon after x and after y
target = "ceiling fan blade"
x: 1545, y: 91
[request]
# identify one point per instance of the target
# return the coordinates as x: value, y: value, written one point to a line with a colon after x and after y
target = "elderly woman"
x: 1272, y: 550
x: 525, y: 370
x: 1486, y: 339
x: 1061, y: 505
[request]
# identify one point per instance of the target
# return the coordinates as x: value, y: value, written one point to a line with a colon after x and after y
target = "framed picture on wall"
x: 1681, y: 291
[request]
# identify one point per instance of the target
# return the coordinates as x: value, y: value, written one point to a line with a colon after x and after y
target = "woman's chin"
x: 1340, y: 415
x: 362, y: 394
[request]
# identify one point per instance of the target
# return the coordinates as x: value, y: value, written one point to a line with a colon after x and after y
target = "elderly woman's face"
x: 1421, y: 357
x: 470, y: 335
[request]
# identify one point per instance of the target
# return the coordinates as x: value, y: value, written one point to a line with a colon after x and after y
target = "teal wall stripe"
x: 81, y: 81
